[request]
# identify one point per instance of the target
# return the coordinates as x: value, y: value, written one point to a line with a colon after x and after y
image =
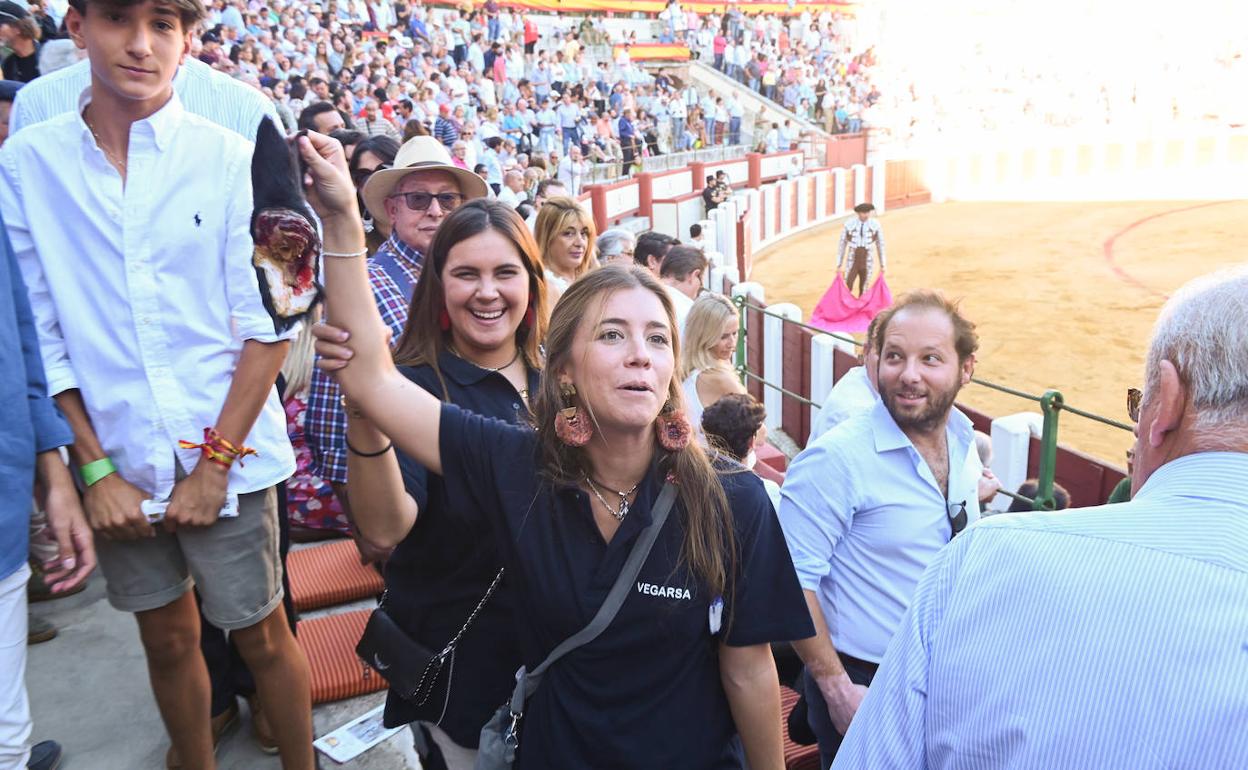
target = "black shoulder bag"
x: 415, y: 672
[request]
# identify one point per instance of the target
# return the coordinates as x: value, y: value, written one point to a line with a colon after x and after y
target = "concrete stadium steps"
x: 760, y: 111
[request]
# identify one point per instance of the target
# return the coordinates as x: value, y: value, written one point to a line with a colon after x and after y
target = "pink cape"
x: 840, y: 311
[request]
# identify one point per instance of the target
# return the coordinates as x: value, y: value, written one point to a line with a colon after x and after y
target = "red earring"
x: 673, y: 428
x: 570, y: 425
x: 444, y: 320
x: 530, y: 318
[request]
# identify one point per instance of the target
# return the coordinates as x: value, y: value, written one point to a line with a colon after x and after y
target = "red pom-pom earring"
x: 571, y: 426
x: 673, y: 428
x: 444, y: 319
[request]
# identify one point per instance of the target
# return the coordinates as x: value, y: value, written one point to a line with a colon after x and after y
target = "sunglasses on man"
x: 420, y: 201
x: 957, y: 522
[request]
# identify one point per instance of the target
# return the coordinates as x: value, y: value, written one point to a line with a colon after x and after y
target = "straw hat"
x: 420, y: 153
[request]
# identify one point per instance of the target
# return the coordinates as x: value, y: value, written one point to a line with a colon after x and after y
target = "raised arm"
x: 405, y: 412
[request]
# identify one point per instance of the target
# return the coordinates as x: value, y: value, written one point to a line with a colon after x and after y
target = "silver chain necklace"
x: 623, y: 509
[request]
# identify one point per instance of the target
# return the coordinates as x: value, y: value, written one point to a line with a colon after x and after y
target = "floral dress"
x: 310, y: 500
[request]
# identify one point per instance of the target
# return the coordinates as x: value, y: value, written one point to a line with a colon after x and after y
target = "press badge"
x: 716, y: 614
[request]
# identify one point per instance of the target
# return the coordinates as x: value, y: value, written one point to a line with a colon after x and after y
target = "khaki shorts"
x: 234, y: 564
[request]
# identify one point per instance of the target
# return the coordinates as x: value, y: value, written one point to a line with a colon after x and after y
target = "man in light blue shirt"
x: 853, y: 394
x: 871, y: 503
x: 1113, y: 637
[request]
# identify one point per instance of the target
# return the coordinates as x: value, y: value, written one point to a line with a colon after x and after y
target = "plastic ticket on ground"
x: 355, y: 737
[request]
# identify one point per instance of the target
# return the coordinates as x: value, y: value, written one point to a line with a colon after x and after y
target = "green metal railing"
x: 1051, y: 403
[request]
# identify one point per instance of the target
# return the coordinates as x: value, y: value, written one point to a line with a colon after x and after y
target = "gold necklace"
x: 99, y: 143
x: 492, y: 370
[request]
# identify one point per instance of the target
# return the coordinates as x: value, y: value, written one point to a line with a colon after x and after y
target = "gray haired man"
x: 1113, y: 637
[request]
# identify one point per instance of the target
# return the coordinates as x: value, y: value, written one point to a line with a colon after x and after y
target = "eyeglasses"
x: 419, y: 201
x: 361, y: 175
x: 957, y: 522
x: 1135, y: 397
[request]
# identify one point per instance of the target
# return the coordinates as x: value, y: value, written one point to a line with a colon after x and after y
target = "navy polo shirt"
x: 647, y: 692
x: 444, y: 566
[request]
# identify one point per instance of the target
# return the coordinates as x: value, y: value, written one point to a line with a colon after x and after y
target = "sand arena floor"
x: 1064, y: 294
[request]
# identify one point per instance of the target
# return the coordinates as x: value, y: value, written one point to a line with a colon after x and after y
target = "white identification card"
x: 154, y: 510
x: 355, y: 737
x: 716, y: 614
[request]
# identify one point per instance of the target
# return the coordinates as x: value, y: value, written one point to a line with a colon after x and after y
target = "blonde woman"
x: 709, y: 343
x: 565, y: 233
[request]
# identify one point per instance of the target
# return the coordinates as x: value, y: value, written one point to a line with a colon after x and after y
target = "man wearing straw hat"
x: 410, y: 200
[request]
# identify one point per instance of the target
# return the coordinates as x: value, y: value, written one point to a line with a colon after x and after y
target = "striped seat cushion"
x: 337, y: 672
x: 329, y: 574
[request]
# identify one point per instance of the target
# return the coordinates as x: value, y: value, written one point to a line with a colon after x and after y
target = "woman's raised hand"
x: 326, y: 181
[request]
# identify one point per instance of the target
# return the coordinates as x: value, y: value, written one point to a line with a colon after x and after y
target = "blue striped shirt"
x: 1111, y: 637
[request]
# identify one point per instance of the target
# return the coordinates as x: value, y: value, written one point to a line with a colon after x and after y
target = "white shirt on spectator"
x: 572, y: 174
x: 851, y: 395
x: 151, y: 333
x: 202, y: 90
x: 681, y: 305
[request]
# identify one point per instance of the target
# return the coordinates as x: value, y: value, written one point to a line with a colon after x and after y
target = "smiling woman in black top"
x: 686, y: 663
x: 471, y: 339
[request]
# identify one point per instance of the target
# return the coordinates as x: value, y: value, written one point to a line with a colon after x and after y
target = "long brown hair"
x: 709, y: 546
x: 423, y: 339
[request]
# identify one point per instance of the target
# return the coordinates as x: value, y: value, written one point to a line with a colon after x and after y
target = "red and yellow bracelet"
x: 218, y: 449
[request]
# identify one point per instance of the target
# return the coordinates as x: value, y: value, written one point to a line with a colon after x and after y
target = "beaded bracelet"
x: 345, y: 255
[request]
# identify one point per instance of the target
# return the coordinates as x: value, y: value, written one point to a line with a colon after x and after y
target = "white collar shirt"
x: 201, y: 89
x: 863, y: 516
x: 852, y: 395
x: 144, y: 294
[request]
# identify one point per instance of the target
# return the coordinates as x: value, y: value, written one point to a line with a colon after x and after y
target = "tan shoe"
x: 260, y: 727
x: 221, y: 725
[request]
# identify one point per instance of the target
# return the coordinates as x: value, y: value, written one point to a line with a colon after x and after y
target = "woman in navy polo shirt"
x: 472, y: 339
x: 686, y: 662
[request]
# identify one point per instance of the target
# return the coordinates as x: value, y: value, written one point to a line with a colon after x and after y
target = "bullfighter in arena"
x: 859, y: 235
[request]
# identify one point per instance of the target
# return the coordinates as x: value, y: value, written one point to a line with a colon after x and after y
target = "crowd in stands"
x: 811, y: 64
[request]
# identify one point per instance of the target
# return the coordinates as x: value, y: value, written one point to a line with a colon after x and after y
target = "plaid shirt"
x: 859, y: 234
x: 325, y: 424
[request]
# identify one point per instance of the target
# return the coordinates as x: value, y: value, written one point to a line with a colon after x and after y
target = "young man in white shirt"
x: 144, y: 360
x: 681, y: 275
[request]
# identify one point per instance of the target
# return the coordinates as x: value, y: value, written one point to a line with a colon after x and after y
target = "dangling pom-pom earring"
x: 444, y: 319
x: 673, y: 428
x: 570, y: 425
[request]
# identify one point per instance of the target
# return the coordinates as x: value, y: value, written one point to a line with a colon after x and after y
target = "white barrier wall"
x: 1011, y: 447
x: 674, y: 217
x: 773, y: 357
x: 1205, y: 165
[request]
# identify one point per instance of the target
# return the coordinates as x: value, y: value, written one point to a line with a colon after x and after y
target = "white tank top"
x: 693, y: 405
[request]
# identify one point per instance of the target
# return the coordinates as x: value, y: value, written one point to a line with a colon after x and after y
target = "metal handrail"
x: 1051, y: 404
x: 1039, y: 399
